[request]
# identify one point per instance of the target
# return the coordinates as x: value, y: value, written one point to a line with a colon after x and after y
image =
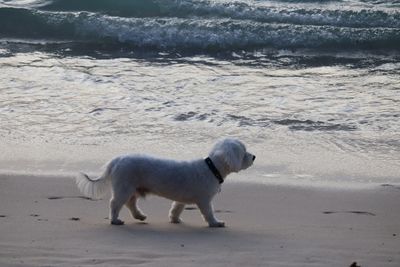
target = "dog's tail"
x: 94, y: 188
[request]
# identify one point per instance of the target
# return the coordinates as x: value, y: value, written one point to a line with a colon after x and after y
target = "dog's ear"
x: 230, y: 158
x: 234, y: 158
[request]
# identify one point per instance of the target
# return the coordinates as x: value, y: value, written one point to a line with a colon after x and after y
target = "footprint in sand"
x: 60, y: 197
x: 391, y: 186
x: 223, y: 211
x: 216, y: 211
x: 39, y: 219
x: 351, y: 212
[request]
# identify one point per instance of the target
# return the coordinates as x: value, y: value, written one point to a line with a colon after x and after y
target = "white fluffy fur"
x: 184, y: 182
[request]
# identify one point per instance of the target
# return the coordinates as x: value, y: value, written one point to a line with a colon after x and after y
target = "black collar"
x: 214, y: 170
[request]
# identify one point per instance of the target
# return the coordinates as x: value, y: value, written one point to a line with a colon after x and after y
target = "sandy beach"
x: 310, y: 86
x: 44, y: 221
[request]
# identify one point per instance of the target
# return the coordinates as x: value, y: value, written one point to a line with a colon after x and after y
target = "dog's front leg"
x: 175, y: 212
x: 206, y: 210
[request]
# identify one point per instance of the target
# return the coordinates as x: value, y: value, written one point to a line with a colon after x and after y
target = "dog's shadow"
x: 180, y: 235
x: 169, y: 230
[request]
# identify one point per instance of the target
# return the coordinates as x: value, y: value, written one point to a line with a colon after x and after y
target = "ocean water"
x: 311, y: 86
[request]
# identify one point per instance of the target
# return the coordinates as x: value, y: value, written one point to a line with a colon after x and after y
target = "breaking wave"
x: 199, y: 25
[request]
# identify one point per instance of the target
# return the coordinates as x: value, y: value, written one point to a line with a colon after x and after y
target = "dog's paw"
x: 117, y: 222
x: 217, y: 224
x: 140, y: 217
x: 175, y: 220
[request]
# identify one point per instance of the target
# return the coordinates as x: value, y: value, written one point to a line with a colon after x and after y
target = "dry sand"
x: 45, y: 222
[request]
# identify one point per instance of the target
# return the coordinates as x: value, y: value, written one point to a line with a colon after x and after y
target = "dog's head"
x: 232, y: 155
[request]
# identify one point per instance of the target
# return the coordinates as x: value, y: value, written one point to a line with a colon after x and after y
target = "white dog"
x: 186, y: 182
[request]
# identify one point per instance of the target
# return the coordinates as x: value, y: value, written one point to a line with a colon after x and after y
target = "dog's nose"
x: 254, y: 157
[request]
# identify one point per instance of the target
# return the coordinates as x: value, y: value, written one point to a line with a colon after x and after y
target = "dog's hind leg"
x: 175, y: 212
x: 116, y: 203
x: 135, y: 211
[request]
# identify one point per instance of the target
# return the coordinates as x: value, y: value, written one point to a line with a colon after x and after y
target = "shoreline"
x: 46, y: 222
x: 234, y: 179
x: 277, y: 163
